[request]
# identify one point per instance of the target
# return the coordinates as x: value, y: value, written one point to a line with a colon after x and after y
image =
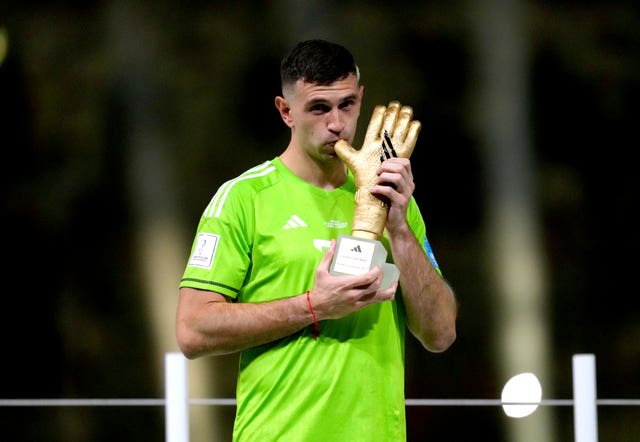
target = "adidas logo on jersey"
x: 294, y: 222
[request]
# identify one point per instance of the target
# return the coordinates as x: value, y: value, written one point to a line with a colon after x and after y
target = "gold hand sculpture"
x: 395, y: 120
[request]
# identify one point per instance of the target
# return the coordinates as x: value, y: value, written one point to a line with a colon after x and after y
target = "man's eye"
x: 346, y: 105
x: 319, y: 109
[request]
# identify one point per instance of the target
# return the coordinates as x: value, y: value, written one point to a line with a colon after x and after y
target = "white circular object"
x: 522, y: 389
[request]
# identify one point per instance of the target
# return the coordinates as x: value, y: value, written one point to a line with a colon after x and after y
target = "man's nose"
x: 335, y: 122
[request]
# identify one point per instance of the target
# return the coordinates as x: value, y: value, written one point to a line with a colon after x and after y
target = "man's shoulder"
x: 243, y: 188
x: 264, y: 174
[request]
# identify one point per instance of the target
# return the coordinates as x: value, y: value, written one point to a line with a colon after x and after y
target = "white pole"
x: 176, y: 398
x: 585, y: 415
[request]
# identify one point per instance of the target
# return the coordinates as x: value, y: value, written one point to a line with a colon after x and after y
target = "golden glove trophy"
x: 391, y: 133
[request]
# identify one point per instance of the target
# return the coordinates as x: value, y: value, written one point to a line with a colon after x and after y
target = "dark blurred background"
x: 121, y: 118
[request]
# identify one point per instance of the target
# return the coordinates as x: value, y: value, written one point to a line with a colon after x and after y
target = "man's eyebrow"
x: 350, y: 97
x: 314, y: 101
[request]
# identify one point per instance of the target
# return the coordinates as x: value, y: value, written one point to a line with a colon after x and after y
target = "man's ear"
x: 285, y: 110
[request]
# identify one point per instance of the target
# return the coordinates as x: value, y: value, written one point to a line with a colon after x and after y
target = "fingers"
x: 412, y: 135
x: 406, y: 132
x: 395, y: 170
x: 325, y: 263
x: 397, y: 121
x: 387, y: 294
x: 372, y: 293
x: 402, y: 125
x: 394, y: 183
x: 375, y: 124
x: 390, y: 117
x: 346, y: 152
x: 337, y: 296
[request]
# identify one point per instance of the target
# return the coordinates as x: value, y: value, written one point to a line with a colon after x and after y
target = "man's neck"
x: 328, y: 175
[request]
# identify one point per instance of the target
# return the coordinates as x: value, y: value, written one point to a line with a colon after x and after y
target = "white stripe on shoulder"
x: 215, y: 206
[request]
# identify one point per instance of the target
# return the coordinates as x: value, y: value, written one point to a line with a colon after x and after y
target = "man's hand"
x: 334, y: 297
x: 391, y: 133
x: 395, y: 184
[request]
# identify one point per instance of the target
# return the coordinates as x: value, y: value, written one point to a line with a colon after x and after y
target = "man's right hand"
x: 336, y: 296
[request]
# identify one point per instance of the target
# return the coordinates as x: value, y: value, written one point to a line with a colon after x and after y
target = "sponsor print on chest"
x: 320, y: 238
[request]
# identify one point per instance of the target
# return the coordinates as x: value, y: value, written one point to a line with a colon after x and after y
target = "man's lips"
x: 330, y: 148
x: 332, y: 143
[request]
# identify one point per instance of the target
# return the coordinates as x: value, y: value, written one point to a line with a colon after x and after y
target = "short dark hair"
x: 317, y: 61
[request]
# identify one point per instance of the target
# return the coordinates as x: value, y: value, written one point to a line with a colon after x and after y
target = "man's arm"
x: 208, y: 323
x: 429, y: 301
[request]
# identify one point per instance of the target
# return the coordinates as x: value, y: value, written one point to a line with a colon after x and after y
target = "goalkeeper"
x: 322, y: 356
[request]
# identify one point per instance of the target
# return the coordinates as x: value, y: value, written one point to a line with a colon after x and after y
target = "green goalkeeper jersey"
x: 261, y: 238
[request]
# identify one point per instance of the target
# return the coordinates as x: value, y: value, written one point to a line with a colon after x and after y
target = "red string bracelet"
x: 315, y: 319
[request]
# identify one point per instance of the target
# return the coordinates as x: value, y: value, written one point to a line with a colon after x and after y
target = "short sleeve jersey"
x: 261, y: 238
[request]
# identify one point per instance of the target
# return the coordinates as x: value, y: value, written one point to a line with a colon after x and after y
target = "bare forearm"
x: 429, y: 301
x: 216, y: 328
x: 208, y: 324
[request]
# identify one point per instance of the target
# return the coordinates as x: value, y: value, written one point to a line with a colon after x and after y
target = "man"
x: 322, y: 356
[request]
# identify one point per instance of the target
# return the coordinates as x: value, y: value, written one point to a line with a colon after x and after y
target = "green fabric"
x: 263, y: 235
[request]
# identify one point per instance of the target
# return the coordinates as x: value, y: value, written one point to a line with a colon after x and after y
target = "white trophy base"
x: 355, y: 256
